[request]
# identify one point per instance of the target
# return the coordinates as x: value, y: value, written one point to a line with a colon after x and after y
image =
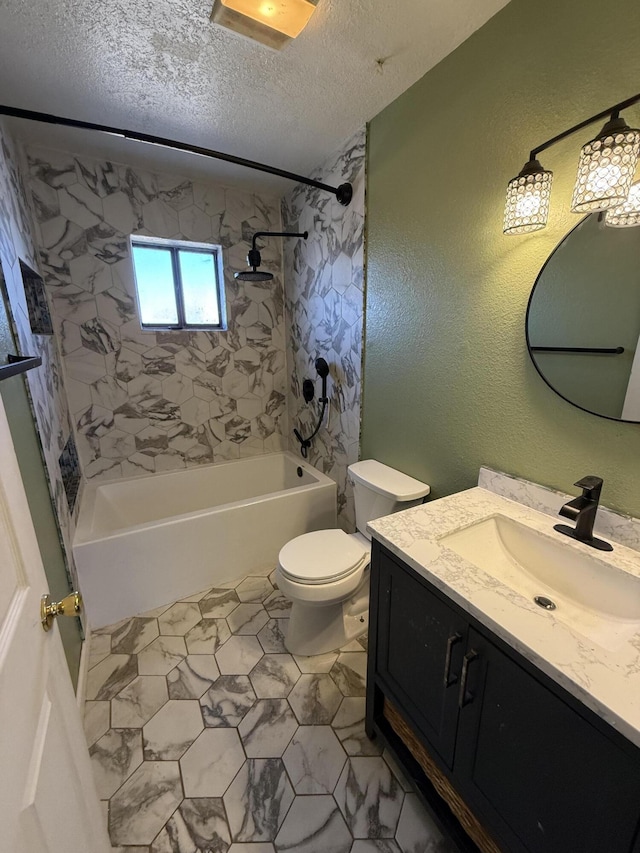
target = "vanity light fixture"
x: 606, y: 168
x: 527, y: 207
x: 605, y: 172
x: 271, y: 22
x: 627, y: 214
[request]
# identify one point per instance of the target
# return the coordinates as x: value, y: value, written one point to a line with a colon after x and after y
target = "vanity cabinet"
x: 421, y: 642
x: 539, y: 771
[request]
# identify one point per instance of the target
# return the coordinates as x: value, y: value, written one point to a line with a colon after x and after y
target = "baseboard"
x: 83, y: 670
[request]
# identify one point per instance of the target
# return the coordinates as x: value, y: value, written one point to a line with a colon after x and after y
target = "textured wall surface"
x: 324, y: 288
x: 143, y: 402
x: 45, y: 384
x: 448, y: 381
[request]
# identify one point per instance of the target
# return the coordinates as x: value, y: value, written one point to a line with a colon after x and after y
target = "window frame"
x: 174, y: 247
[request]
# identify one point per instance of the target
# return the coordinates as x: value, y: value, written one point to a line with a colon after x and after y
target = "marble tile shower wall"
x: 324, y: 295
x: 45, y: 384
x: 145, y: 402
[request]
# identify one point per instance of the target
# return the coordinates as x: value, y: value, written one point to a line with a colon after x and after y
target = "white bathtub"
x: 147, y: 541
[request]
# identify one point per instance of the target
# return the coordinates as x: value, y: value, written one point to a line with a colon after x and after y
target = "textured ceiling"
x: 162, y: 67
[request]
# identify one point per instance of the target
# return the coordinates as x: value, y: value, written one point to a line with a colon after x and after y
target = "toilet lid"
x: 322, y: 556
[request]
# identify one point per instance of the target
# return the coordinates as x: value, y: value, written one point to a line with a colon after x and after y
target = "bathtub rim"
x: 83, y: 536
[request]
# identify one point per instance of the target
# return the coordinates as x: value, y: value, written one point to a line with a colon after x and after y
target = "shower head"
x: 323, y: 371
x: 254, y: 259
x: 253, y: 275
x: 322, y: 368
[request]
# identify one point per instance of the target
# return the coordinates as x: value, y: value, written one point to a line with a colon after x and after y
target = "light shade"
x: 627, y: 214
x: 606, y: 168
x: 271, y: 22
x: 527, y: 205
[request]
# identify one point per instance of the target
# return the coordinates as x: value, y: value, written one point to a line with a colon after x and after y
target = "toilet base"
x: 315, y: 630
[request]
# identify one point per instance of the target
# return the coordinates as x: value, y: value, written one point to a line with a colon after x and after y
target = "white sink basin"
x: 593, y: 597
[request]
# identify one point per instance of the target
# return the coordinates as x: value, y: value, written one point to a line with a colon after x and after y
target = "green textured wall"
x: 448, y: 385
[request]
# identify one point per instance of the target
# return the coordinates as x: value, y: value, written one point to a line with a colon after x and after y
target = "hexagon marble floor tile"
x: 206, y: 736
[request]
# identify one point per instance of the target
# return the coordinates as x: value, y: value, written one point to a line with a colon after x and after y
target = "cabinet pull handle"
x: 449, y: 679
x: 463, y: 699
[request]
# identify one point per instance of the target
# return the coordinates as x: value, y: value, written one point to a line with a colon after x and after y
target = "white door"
x: 631, y: 405
x: 48, y: 801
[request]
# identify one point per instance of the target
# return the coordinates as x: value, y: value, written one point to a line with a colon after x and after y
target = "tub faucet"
x: 583, y: 511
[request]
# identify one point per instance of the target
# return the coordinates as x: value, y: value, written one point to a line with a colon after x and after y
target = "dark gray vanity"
x: 526, y: 766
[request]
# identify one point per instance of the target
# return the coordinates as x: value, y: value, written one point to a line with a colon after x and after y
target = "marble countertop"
x: 605, y: 680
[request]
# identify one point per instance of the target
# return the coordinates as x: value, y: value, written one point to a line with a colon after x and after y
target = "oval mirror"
x: 583, y: 319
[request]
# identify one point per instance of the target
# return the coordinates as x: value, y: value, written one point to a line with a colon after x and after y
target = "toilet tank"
x: 380, y: 490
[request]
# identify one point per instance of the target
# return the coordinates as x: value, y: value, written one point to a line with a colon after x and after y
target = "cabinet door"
x: 543, y: 778
x: 420, y: 644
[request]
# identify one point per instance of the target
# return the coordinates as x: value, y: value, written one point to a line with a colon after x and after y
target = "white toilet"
x: 326, y: 573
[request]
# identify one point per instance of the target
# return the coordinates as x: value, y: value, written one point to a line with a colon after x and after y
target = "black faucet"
x: 583, y: 511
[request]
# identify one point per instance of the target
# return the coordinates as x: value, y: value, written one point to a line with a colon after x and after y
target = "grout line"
x: 226, y: 813
x: 164, y: 825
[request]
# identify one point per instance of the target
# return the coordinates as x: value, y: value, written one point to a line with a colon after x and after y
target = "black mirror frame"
x: 526, y: 332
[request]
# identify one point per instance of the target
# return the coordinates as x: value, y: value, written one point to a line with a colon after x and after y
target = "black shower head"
x: 254, y: 260
x: 253, y: 275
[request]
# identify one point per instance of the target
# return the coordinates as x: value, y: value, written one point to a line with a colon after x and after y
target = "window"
x: 179, y: 285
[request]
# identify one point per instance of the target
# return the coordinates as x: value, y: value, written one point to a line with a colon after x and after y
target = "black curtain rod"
x: 609, y: 112
x: 343, y: 193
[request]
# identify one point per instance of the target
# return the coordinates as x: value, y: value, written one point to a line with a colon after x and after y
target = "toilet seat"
x: 322, y: 557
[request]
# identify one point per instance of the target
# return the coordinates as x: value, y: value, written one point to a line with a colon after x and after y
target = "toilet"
x: 326, y: 573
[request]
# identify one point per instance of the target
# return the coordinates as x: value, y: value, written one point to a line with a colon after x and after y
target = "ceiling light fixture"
x: 605, y: 172
x: 271, y: 22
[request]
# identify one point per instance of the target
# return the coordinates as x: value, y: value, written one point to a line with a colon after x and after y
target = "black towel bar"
x: 19, y: 364
x: 601, y: 350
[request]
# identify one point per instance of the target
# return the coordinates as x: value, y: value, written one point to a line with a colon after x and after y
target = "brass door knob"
x: 68, y: 606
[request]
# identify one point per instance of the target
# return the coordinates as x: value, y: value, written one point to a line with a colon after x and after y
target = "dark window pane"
x: 154, y: 282
x: 199, y: 291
